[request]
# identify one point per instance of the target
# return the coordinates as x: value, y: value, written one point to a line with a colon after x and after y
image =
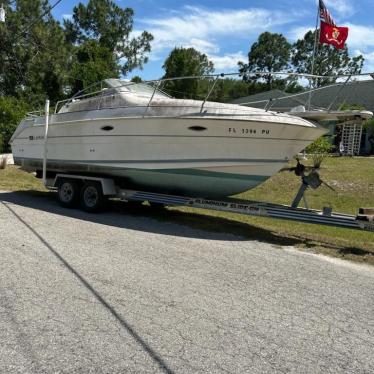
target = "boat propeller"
x: 309, y: 177
x: 309, y: 174
x: 314, y: 180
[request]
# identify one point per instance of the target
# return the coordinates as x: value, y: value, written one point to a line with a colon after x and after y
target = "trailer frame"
x: 250, y: 208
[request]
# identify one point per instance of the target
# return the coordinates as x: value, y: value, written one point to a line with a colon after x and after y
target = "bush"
x: 12, y: 110
x: 369, y: 126
x: 320, y: 146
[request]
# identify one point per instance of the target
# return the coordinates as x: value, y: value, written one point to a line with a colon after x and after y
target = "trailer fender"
x: 107, y: 184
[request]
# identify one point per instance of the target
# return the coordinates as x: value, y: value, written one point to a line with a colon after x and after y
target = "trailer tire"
x: 68, y: 192
x: 92, y: 198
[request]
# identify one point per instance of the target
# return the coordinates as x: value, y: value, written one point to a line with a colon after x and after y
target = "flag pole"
x: 314, y: 56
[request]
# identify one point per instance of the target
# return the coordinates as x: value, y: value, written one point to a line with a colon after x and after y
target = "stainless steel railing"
x: 157, y: 84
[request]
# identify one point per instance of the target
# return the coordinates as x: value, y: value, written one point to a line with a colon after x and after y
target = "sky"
x: 224, y: 30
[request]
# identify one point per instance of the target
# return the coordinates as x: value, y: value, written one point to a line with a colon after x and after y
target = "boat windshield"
x: 91, y: 97
x: 143, y: 89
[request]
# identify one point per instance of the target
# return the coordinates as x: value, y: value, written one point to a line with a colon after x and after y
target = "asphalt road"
x: 124, y: 293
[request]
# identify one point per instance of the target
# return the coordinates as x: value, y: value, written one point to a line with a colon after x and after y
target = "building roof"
x: 358, y: 92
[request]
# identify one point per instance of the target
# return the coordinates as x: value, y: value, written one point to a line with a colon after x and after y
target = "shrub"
x: 320, y: 146
x: 12, y: 110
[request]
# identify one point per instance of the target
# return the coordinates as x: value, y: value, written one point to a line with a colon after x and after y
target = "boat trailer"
x: 106, y: 188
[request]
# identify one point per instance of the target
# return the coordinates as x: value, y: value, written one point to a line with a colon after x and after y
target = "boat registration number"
x: 247, y: 131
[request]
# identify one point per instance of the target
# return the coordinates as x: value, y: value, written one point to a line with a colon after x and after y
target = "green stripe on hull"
x: 206, y: 173
x: 191, y: 182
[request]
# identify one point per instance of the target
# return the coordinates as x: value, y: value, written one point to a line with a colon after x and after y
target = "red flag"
x: 333, y: 35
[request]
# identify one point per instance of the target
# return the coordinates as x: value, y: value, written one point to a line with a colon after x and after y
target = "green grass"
x: 14, y: 179
x: 353, y: 179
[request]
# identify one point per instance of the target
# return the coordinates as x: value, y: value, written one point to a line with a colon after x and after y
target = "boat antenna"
x: 2, y: 13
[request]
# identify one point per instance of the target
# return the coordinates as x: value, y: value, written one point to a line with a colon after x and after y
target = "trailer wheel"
x: 68, y: 193
x: 92, y: 199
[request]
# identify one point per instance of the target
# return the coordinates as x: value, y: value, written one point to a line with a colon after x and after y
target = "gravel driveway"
x: 124, y: 293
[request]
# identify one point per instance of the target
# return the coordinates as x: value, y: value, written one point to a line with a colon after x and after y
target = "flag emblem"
x: 333, y: 35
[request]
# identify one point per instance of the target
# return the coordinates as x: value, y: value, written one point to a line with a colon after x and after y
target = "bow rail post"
x: 45, y: 142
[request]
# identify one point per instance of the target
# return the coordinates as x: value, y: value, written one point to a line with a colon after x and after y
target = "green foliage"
x: 270, y: 53
x: 110, y: 26
x: 320, y: 146
x: 185, y: 62
x: 346, y: 106
x: 136, y: 79
x: 92, y: 63
x: 294, y: 87
x: 39, y: 58
x: 12, y: 111
x: 227, y: 90
x: 328, y: 60
x: 369, y: 126
x: 34, y: 55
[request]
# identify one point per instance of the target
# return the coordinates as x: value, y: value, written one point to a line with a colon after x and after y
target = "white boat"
x: 150, y: 141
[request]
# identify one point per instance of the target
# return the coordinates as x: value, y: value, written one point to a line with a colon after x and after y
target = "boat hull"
x: 205, y: 157
x: 188, y: 182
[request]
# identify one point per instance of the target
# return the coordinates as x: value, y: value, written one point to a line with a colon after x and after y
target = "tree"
x: 328, y: 60
x: 228, y: 89
x: 92, y: 63
x: 34, y: 55
x: 184, y: 62
x: 104, y: 25
x: 270, y: 53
